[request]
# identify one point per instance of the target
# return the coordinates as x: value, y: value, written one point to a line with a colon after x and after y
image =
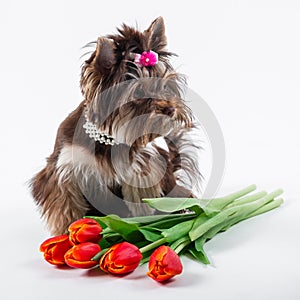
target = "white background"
x: 241, y: 57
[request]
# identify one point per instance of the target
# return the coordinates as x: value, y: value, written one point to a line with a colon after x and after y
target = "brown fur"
x: 66, y: 189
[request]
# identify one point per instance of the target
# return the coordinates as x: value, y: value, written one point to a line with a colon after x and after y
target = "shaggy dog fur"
x: 141, y: 108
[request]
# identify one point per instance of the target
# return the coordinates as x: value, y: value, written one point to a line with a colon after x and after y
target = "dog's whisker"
x: 90, y: 44
x: 85, y: 54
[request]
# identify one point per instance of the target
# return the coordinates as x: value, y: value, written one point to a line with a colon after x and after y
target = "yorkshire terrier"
x: 127, y: 140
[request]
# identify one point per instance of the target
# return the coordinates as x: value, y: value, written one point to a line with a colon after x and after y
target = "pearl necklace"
x: 94, y: 133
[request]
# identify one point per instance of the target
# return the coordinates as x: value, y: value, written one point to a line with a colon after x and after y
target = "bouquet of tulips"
x: 119, y: 245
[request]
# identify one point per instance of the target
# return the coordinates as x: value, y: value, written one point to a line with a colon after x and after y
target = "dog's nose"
x: 169, y: 111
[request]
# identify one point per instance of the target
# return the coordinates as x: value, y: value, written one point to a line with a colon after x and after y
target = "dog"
x: 127, y: 140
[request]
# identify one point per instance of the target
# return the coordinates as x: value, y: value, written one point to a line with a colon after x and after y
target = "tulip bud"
x: 55, y: 248
x: 120, y: 259
x: 164, y: 264
x: 84, y: 230
x: 80, y: 256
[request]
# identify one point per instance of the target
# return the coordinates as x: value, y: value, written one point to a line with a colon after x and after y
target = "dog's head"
x: 118, y: 89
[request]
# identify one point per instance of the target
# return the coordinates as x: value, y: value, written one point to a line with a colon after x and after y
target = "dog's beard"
x: 132, y: 124
x: 138, y: 111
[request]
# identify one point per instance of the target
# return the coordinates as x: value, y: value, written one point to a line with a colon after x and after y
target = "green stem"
x: 178, y: 231
x: 227, y: 224
x: 99, y: 254
x: 239, y: 211
x: 247, y: 199
x: 269, y: 206
x: 153, y: 245
x: 182, y: 246
x: 177, y: 243
x: 210, y: 223
x: 220, y: 203
x: 257, y: 207
x: 263, y: 209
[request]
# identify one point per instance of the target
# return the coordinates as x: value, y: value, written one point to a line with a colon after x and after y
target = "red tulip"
x: 55, y: 248
x: 85, y: 230
x: 164, y: 264
x: 80, y: 256
x: 120, y: 259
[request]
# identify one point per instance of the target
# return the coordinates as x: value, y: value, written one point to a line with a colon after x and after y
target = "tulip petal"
x: 172, y: 263
x: 80, y: 256
x: 89, y: 234
x: 126, y: 255
x: 55, y: 248
x: 85, y: 230
x: 80, y: 264
x: 53, y: 240
x: 86, y: 251
x: 120, y: 259
x: 164, y: 264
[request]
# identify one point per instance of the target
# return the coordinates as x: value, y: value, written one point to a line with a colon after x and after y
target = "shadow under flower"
x: 63, y: 267
x: 94, y: 272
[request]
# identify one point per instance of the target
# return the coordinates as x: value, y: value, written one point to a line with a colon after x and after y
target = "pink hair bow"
x: 146, y: 59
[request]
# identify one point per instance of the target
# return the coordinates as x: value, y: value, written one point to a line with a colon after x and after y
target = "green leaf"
x: 141, y: 244
x: 199, y: 243
x: 150, y: 235
x: 201, y: 219
x: 143, y: 220
x: 113, y: 238
x: 130, y: 232
x: 199, y: 255
x: 197, y: 209
x: 170, y: 205
x: 167, y: 223
x: 104, y: 243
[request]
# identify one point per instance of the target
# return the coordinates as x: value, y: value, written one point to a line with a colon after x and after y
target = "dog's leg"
x: 184, y: 148
x: 154, y: 173
x: 140, y: 177
x: 133, y: 199
x: 59, y: 198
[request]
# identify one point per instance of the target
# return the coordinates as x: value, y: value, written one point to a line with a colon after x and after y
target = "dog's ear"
x: 156, y: 35
x: 105, y: 57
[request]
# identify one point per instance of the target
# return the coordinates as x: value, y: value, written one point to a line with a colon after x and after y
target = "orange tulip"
x: 80, y: 256
x: 84, y: 230
x: 120, y: 259
x: 55, y: 248
x: 164, y: 264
